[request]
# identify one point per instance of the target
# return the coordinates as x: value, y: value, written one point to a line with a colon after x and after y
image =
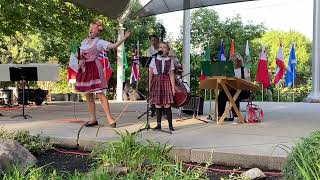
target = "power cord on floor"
x: 83, y: 125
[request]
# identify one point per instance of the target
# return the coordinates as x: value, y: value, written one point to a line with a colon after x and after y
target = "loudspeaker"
x: 195, y: 104
x: 33, y: 95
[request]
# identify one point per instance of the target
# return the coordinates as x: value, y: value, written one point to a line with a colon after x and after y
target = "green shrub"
x: 35, y: 144
x: 145, y: 160
x: 304, y: 160
x: 31, y: 173
x: 130, y: 153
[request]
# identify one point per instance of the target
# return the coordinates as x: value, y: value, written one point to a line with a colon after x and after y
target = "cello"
x: 182, y: 95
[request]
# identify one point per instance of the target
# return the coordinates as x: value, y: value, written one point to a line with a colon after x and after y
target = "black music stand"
x: 147, y: 61
x: 23, y: 74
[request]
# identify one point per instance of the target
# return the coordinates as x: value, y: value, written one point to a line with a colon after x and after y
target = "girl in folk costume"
x: 162, y: 84
x: 91, y: 77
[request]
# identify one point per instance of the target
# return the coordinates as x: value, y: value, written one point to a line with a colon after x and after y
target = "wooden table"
x: 225, y: 83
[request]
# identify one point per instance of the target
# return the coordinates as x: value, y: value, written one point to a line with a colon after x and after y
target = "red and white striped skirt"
x: 91, y: 77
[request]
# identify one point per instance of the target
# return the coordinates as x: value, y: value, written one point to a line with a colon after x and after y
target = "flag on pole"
x: 232, y: 51
x: 103, y: 57
x: 125, y: 63
x: 247, y: 57
x: 207, y: 53
x: 280, y: 66
x: 221, y: 52
x: 135, y: 66
x: 73, y: 63
x: 206, y: 58
x: 291, y: 70
x: 262, y: 71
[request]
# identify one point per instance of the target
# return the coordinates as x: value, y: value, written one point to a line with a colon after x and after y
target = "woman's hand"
x: 118, y: 43
x: 83, y: 56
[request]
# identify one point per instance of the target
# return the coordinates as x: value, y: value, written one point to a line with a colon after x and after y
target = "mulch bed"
x: 63, y: 162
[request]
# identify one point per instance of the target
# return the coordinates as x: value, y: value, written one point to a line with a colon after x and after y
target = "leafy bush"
x: 35, y: 144
x: 145, y: 160
x: 129, y: 153
x: 304, y: 160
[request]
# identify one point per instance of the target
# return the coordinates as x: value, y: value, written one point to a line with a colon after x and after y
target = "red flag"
x: 73, y: 63
x: 280, y: 66
x: 232, y: 48
x: 106, y: 64
x: 262, y: 71
x: 202, y: 76
x: 135, y: 75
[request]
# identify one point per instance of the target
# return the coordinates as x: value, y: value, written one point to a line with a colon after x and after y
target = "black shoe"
x: 113, y: 125
x: 89, y: 124
x: 158, y: 127
x: 229, y: 119
x: 171, y: 129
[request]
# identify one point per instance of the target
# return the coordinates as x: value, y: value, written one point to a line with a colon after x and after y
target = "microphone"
x: 154, y: 55
x: 158, y: 53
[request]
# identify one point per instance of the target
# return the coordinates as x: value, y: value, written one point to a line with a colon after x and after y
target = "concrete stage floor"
x: 244, y: 145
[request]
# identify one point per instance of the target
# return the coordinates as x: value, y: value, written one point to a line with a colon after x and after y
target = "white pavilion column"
x: 120, y: 64
x: 186, y: 45
x: 315, y: 94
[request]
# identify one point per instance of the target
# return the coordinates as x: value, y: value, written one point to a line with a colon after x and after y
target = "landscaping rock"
x: 146, y: 162
x: 254, y: 173
x: 12, y: 153
x: 118, y: 170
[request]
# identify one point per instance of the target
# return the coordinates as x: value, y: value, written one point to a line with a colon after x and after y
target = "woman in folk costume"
x: 91, y: 77
x: 162, y: 84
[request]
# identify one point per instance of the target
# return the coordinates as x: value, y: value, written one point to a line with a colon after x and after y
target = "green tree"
x: 42, y: 30
x: 20, y: 48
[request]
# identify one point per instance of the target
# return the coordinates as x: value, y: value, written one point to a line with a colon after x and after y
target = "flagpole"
x: 138, y: 63
x: 262, y: 93
x: 279, y: 91
x: 205, y: 94
x: 209, y: 117
x: 293, y: 85
x: 210, y: 99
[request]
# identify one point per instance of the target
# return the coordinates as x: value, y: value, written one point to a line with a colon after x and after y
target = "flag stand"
x: 293, y: 87
x: 279, y: 86
x: 138, y: 54
x: 262, y: 93
x: 278, y: 94
x: 205, y: 94
x: 210, y: 99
